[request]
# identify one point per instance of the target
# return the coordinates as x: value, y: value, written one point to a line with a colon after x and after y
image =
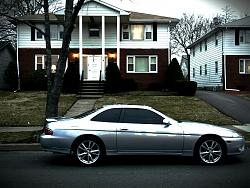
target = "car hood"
x: 202, y: 128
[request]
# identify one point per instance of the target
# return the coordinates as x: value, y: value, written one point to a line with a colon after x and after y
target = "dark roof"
x: 241, y: 23
x: 37, y: 17
x: 136, y: 16
x: 244, y: 22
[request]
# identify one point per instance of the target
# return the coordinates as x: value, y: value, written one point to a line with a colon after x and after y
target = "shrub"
x: 113, y: 78
x: 174, y: 73
x: 38, y: 80
x: 71, y: 80
x: 186, y: 88
x: 128, y: 84
x: 10, y: 76
x: 155, y: 86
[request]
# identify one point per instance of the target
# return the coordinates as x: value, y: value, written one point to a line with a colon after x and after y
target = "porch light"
x: 75, y: 55
x: 112, y: 56
x: 53, y: 68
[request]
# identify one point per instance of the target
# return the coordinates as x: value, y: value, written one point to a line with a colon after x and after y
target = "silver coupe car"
x: 137, y: 130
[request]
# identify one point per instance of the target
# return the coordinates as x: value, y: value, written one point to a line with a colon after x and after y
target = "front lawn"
x: 28, y: 108
x: 178, y: 107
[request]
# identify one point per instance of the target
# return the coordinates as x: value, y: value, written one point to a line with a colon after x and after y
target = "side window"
x: 141, y: 116
x: 111, y: 115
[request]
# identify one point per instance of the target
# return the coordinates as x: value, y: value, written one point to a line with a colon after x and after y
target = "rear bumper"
x: 54, y: 144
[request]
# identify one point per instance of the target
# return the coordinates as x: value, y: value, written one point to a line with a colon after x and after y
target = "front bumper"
x: 235, y: 146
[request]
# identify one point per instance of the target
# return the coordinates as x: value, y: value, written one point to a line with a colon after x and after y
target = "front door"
x: 94, y: 67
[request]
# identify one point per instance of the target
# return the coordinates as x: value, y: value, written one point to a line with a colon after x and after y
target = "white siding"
x: 229, y: 45
x: 163, y: 38
x: 94, y: 9
x: 209, y: 57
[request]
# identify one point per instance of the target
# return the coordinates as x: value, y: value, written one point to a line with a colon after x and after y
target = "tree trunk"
x: 54, y: 88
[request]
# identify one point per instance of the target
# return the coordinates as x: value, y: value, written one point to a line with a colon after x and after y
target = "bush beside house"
x: 175, y: 80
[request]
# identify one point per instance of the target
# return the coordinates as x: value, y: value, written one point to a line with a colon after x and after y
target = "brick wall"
x: 235, y: 80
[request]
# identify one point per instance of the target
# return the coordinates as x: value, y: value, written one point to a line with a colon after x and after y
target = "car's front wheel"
x: 88, y: 152
x: 210, y: 151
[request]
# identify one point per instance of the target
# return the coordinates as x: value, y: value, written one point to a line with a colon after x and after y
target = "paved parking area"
x: 234, y: 106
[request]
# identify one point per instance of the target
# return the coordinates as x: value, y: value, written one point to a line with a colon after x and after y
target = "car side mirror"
x: 167, y: 123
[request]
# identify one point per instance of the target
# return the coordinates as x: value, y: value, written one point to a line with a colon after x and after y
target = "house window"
x: 148, y: 32
x: 200, y: 70
x: 56, y: 32
x: 216, y: 67
x: 137, y: 32
x: 244, y: 66
x: 125, y: 32
x: 94, y: 32
x: 39, y: 35
x: 200, y: 46
x: 216, y: 39
x: 41, y: 61
x: 206, y: 45
x: 193, y: 72
x: 244, y: 36
x: 205, y: 69
x: 141, y: 64
x: 60, y: 31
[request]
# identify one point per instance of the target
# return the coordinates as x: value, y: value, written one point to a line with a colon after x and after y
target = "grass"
x: 178, y: 107
x: 28, y: 108
x: 19, y: 137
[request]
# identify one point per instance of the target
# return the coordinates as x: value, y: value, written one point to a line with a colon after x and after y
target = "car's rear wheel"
x: 88, y: 152
x: 210, y: 151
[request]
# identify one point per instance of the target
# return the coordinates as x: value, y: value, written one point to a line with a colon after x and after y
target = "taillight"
x: 48, y: 131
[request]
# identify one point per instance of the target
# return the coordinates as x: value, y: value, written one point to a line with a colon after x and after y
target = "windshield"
x: 85, y: 113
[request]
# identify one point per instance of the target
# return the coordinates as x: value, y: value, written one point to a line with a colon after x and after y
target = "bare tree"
x: 188, y: 30
x: 11, y: 9
x: 227, y: 15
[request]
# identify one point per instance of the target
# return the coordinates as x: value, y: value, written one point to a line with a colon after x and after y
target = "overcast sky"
x: 175, y: 8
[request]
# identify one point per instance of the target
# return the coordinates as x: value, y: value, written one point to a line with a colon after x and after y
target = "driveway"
x: 234, y: 106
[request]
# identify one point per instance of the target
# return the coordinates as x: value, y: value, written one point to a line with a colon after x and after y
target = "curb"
x: 38, y: 147
x: 21, y: 147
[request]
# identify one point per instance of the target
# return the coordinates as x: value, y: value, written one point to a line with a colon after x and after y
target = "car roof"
x: 127, y: 106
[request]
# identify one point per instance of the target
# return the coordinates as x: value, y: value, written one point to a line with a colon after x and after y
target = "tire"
x: 88, y: 152
x: 210, y: 151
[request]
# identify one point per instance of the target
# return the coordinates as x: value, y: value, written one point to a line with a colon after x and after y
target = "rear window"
x: 85, y: 114
x: 110, y: 115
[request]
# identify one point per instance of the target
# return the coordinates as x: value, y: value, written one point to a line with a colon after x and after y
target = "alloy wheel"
x: 210, y: 151
x: 88, y: 152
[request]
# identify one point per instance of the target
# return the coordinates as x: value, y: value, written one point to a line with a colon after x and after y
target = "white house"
x: 221, y: 58
x: 139, y: 43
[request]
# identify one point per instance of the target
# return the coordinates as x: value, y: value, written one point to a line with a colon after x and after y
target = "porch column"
x: 80, y: 47
x: 118, y: 21
x: 103, y: 48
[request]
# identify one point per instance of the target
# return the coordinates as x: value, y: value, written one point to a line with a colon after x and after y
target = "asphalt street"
x: 42, y: 169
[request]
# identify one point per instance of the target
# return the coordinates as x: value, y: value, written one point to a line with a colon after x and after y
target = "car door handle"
x: 124, y: 129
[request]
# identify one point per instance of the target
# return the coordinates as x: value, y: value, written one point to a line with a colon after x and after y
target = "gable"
x: 98, y: 8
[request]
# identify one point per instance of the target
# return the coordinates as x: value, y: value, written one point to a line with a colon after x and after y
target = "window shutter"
x: 237, y: 37
x: 154, y: 31
x: 33, y: 34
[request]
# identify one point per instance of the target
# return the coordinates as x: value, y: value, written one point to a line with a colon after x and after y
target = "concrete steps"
x: 91, y: 89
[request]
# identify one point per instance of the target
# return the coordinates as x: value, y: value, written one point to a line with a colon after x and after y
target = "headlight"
x: 236, y: 135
